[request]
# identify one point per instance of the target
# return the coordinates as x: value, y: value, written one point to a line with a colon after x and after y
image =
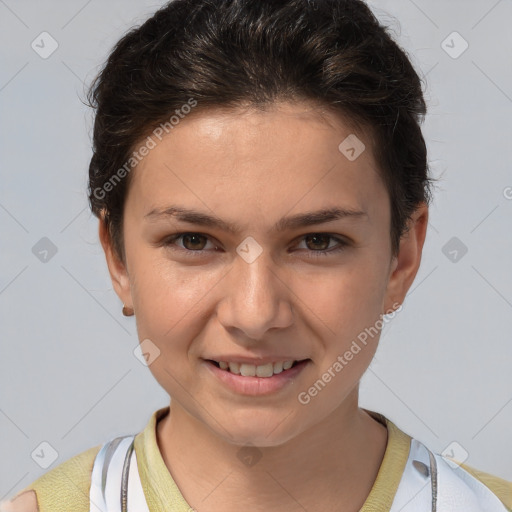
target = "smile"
x: 256, y: 379
x: 252, y: 370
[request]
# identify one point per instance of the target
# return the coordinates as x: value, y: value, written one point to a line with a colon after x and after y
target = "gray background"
x: 68, y: 375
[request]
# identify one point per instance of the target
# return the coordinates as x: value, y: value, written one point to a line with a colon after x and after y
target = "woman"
x: 261, y: 184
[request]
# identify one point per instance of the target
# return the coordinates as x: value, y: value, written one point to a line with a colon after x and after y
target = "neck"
x: 335, y: 462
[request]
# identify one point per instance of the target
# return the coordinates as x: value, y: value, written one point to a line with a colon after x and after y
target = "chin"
x: 258, y: 429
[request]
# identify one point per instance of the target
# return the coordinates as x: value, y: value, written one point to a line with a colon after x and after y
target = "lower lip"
x: 256, y: 386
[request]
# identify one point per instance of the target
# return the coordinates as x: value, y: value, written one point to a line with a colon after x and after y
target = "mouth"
x: 249, y: 379
x: 251, y: 370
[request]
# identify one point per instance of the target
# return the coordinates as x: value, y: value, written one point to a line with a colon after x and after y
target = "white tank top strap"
x: 115, y: 480
x: 430, y: 483
x: 459, y: 490
x: 418, y: 486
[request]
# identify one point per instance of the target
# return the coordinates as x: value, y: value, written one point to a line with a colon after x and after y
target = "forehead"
x: 287, y: 155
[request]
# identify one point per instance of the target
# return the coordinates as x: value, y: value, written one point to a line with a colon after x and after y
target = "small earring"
x: 127, y: 311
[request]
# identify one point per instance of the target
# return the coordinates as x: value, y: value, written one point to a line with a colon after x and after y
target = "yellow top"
x: 66, y: 487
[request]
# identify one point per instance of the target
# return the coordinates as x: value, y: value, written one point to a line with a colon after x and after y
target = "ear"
x: 116, y: 267
x: 405, y: 265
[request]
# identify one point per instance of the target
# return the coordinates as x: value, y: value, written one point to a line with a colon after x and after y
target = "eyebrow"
x: 286, y: 223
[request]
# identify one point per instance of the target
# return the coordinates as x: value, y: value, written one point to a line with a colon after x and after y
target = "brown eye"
x: 317, y: 244
x: 193, y: 241
x: 319, y: 241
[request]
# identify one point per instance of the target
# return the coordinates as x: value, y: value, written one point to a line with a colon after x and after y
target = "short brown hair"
x: 230, y: 53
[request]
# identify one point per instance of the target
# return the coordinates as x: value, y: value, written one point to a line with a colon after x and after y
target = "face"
x: 257, y: 277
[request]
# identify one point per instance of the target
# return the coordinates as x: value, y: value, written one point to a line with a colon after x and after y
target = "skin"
x: 25, y: 502
x: 252, y: 168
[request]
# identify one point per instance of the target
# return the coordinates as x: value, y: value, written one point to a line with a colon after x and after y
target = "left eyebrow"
x: 286, y: 223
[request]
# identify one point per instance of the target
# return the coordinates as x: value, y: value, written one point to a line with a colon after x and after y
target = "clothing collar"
x: 160, y: 489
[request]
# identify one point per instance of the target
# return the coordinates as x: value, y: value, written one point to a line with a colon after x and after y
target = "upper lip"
x: 251, y: 360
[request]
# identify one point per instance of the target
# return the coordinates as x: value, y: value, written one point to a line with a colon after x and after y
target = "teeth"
x: 234, y: 368
x: 265, y: 370
x: 251, y: 370
x: 278, y: 367
x: 248, y: 370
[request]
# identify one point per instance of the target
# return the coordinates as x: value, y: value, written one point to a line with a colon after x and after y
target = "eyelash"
x: 169, y: 241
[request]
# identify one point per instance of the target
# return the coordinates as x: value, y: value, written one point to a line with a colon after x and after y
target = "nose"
x: 255, y: 299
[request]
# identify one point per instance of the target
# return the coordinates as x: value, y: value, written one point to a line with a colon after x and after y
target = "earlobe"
x: 116, y: 267
x: 407, y: 262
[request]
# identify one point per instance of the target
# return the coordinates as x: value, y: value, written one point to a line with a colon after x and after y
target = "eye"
x: 193, y: 242
x: 321, y: 241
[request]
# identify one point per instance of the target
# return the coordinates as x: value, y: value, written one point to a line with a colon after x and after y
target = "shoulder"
x: 25, y: 501
x: 483, y: 488
x: 498, y: 486
x: 64, y: 487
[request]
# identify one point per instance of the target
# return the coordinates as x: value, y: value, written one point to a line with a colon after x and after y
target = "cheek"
x: 346, y: 309
x: 345, y: 299
x: 165, y: 293
x: 171, y: 307
x: 166, y: 304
